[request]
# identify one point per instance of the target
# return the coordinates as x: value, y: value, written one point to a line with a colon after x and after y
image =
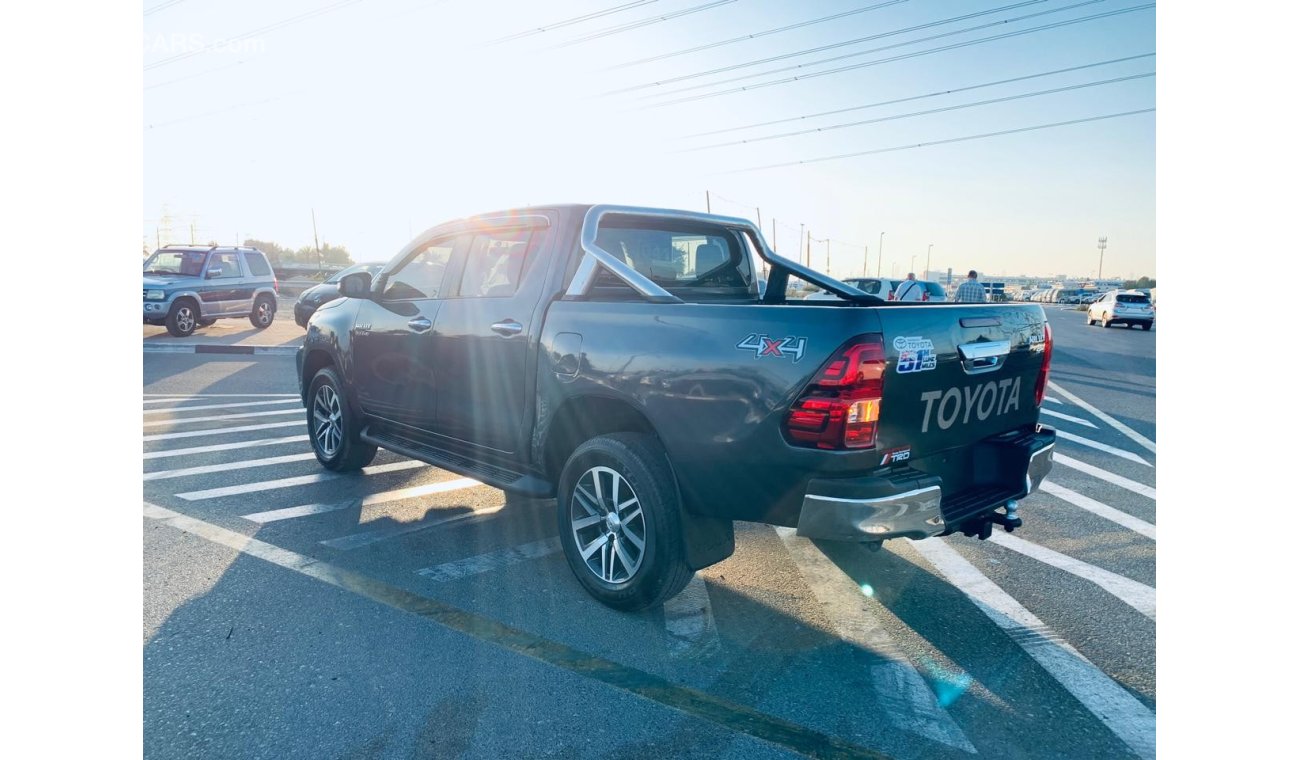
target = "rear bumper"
x: 909, y: 503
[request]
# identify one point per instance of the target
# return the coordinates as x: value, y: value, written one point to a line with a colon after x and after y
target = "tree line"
x: 335, y: 255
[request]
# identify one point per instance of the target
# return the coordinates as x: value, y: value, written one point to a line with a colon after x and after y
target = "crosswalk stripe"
x: 169, y: 399
x: 1068, y: 418
x: 170, y: 396
x: 1131, y: 721
x: 366, y: 538
x: 1106, y: 475
x: 688, y: 619
x: 1139, y: 596
x: 219, y: 406
x: 1053, y: 400
x: 484, y: 563
x: 382, y: 497
x: 167, y: 454
x: 1141, y: 527
x: 1132, y: 434
x: 219, y: 417
x: 245, y: 464
x: 221, y: 431
x: 908, y: 702
x: 1121, y: 453
x: 303, y: 480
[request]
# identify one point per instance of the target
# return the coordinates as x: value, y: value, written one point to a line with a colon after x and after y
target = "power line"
x: 956, y: 107
x: 643, y: 23
x: 756, y: 35
x: 820, y: 48
x: 842, y: 69
x: 915, y: 97
x: 308, y: 15
x: 162, y: 7
x: 942, y: 142
x: 571, y: 21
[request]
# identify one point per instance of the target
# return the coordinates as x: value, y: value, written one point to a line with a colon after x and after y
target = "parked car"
x: 187, y: 287
x: 312, y: 298
x: 883, y: 287
x: 1127, y: 307
x: 622, y: 361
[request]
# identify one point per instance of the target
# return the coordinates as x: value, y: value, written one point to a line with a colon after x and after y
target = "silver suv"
x: 186, y: 287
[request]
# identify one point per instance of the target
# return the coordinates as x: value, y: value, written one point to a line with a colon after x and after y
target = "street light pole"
x: 927, y: 259
x: 1101, y: 246
x: 865, y: 251
x: 911, y: 267
x: 880, y: 254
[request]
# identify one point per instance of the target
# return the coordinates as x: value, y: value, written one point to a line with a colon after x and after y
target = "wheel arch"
x: 314, y: 361
x: 581, y: 418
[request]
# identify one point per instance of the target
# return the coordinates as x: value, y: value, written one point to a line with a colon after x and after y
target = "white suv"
x: 1128, y: 307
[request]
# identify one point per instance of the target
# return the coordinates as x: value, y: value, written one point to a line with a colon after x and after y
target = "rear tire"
x: 1105, y: 320
x: 263, y: 312
x: 182, y: 318
x: 207, y: 322
x: 1146, y: 325
x: 625, y: 475
x: 335, y: 430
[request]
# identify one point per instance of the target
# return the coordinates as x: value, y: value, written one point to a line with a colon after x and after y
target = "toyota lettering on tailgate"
x: 994, y: 398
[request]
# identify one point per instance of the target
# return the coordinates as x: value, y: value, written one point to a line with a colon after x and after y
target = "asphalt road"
x: 289, y: 613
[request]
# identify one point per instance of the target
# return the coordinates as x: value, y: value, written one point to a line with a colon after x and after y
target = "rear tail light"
x: 840, y: 408
x: 1040, y: 388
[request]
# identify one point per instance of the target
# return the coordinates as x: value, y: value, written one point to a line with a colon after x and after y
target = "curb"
x: 204, y: 348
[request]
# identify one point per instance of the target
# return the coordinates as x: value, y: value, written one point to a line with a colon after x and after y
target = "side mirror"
x: 213, y: 272
x: 355, y: 285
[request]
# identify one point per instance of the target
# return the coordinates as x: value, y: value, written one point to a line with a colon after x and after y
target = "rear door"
x: 957, y: 375
x: 487, y: 336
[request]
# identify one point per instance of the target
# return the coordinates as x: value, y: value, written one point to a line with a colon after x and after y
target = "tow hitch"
x: 983, y: 526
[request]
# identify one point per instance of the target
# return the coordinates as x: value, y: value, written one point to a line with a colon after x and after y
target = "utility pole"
x: 808, y: 248
x: 911, y: 267
x: 865, y: 252
x: 759, y: 212
x: 927, y: 260
x: 800, y: 256
x: 880, y: 254
x: 1101, y: 246
x: 773, y: 233
x: 316, y: 239
x: 708, y: 202
x: 191, y: 232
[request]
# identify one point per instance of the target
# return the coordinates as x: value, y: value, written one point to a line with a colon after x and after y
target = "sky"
x: 387, y: 117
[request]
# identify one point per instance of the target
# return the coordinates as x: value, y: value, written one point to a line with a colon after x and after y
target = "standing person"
x: 909, y: 289
x: 970, y: 291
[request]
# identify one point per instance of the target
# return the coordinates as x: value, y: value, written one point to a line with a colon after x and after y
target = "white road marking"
x: 1141, y: 527
x: 1121, y: 453
x: 173, y: 396
x: 688, y: 618
x: 1120, y: 711
x: 173, y: 399
x: 1067, y: 418
x: 1140, y: 440
x: 909, y: 703
x: 169, y: 410
x: 222, y: 430
x: 244, y: 464
x: 268, y: 485
x: 224, y: 447
x: 1139, y: 596
x: 1106, y: 475
x: 219, y: 417
x: 366, y: 538
x: 1053, y: 400
x: 382, y: 497
x: 484, y: 563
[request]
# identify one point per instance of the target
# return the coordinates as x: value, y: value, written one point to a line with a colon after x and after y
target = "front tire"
x: 335, y: 429
x: 182, y: 318
x: 263, y: 312
x: 620, y: 521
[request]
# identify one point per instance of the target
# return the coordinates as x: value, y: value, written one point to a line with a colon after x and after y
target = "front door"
x: 225, y: 291
x: 393, y: 343
x: 486, y: 329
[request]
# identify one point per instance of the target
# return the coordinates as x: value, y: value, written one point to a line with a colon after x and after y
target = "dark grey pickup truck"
x: 635, y: 365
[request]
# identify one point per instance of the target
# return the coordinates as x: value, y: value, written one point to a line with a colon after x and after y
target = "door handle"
x: 419, y: 324
x: 507, y: 328
x: 983, y: 356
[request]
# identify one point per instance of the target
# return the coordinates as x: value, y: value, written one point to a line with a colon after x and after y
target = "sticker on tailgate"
x: 915, y: 355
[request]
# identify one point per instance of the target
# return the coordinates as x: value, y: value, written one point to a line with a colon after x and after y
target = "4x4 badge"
x: 763, y: 345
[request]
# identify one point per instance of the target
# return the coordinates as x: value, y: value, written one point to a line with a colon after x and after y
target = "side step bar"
x: 492, y: 475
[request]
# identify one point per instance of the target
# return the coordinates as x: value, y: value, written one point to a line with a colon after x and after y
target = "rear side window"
x: 257, y: 264
x: 495, y: 263
x: 228, y: 263
x: 1126, y: 298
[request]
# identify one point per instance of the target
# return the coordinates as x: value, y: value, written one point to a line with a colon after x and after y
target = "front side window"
x: 421, y: 276
x: 229, y: 265
x: 495, y: 263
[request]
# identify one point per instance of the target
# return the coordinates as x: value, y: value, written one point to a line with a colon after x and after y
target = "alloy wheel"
x: 327, y: 413
x: 608, y: 525
x: 185, y: 318
x: 263, y: 313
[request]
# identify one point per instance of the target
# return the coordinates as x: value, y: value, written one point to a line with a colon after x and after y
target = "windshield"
x: 184, y: 263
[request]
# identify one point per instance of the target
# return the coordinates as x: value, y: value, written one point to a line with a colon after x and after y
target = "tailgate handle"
x: 983, y: 356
